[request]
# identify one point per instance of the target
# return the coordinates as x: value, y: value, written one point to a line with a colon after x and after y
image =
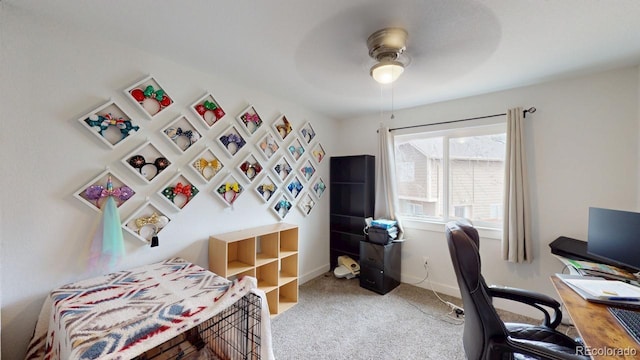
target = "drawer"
x: 371, y: 278
x: 372, y: 254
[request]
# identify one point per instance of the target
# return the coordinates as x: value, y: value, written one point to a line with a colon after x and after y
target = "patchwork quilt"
x: 123, y: 314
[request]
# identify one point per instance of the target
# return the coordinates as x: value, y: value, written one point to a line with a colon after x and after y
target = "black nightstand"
x: 380, y: 266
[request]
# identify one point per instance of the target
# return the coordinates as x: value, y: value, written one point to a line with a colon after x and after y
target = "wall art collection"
x: 273, y: 159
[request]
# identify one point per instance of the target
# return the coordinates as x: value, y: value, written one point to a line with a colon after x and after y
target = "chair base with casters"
x: 485, y: 335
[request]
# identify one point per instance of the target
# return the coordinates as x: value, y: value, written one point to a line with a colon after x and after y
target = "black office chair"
x: 485, y: 335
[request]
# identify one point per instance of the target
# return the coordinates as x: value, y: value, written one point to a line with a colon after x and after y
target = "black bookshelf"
x: 352, y: 183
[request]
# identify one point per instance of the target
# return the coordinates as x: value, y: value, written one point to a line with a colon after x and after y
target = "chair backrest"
x: 482, y: 322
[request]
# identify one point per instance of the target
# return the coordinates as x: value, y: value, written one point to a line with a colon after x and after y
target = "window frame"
x: 488, y: 230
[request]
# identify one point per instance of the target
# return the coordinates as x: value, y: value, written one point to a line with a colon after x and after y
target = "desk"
x: 601, y: 332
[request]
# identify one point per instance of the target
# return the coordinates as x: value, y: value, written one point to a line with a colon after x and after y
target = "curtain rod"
x: 524, y: 113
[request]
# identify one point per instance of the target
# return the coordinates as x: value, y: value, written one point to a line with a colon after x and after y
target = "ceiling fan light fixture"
x: 387, y: 71
x: 386, y: 46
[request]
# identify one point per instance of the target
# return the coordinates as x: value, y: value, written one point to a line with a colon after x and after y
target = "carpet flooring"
x: 337, y: 319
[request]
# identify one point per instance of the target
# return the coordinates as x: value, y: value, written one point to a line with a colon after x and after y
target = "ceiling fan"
x: 387, y: 46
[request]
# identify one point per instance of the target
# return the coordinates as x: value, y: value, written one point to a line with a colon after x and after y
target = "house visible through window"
x: 452, y: 174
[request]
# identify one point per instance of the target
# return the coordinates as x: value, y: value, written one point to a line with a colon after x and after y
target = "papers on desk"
x: 600, y: 290
x: 607, y: 289
x: 597, y: 269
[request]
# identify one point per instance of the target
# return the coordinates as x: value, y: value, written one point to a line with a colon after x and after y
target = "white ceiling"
x: 314, y: 52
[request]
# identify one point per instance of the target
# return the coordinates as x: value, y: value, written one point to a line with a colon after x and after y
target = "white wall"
x: 51, y: 76
x: 582, y: 147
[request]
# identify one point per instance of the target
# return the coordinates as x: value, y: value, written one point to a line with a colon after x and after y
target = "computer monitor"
x: 614, y: 235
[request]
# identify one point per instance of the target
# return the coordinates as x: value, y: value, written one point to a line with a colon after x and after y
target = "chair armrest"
x: 534, y: 299
x: 541, y: 350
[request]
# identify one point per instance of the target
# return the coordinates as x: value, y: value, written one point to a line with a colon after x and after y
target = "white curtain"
x: 386, y: 185
x: 516, y: 235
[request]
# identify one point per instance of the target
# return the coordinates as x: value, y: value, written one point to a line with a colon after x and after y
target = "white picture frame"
x: 147, y: 162
x: 151, y: 103
x: 181, y: 133
x: 110, y: 123
x: 152, y: 222
x: 94, y: 197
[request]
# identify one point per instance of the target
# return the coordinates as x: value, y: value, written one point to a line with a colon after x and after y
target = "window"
x: 450, y: 174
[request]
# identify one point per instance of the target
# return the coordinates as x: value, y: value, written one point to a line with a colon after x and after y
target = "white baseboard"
x: 313, y: 274
x: 430, y: 285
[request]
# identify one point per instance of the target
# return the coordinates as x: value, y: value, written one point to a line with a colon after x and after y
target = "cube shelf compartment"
x: 268, y: 253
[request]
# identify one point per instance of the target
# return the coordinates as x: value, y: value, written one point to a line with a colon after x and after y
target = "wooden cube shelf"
x: 288, y: 296
x: 268, y: 253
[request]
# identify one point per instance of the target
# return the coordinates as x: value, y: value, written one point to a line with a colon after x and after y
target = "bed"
x: 168, y: 310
